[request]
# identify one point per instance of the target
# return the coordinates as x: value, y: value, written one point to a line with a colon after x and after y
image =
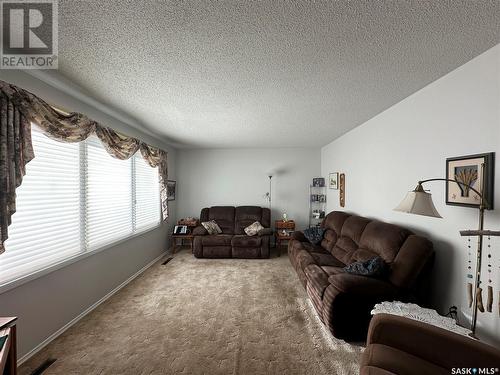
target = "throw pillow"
x: 253, y: 228
x: 212, y: 227
x: 314, y: 235
x: 375, y: 267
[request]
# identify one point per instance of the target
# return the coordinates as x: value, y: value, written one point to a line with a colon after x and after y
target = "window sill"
x: 66, y: 262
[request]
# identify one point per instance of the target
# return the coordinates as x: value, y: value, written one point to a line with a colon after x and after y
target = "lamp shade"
x: 418, y: 202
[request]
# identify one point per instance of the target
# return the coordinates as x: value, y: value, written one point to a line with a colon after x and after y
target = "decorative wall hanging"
x: 19, y: 108
x: 333, y: 180
x: 467, y: 169
x: 342, y: 190
x: 171, y: 190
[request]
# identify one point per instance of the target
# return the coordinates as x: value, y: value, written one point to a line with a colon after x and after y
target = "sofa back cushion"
x: 223, y: 216
x: 352, y: 238
x: 246, y: 215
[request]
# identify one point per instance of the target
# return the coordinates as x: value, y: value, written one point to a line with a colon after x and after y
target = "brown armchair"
x: 233, y: 242
x: 398, y: 345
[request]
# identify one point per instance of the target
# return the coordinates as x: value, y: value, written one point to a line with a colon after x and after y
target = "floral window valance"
x: 19, y: 108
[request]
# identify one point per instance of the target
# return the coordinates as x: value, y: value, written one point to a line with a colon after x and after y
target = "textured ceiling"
x: 265, y: 74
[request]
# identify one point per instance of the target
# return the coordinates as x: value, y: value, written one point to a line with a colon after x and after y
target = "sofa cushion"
x: 211, y: 227
x: 326, y: 260
x: 224, y: 216
x: 246, y: 241
x: 333, y: 270
x: 216, y: 240
x: 350, y: 236
x: 383, y: 239
x: 246, y: 215
x: 253, y: 229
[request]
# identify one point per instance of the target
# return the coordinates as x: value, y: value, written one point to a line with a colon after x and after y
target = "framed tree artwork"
x: 474, y: 170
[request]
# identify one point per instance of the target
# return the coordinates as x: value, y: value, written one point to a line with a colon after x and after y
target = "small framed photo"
x: 181, y: 229
x: 333, y: 180
x: 318, y: 182
x: 171, y: 190
x: 473, y: 170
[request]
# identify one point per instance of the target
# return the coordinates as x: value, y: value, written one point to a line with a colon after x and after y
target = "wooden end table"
x: 182, y: 237
x: 280, y: 236
x: 8, y: 354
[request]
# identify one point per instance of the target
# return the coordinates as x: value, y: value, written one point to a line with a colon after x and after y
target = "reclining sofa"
x: 233, y: 242
x: 344, y: 300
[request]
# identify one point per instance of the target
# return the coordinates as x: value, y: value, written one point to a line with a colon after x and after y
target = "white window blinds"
x: 46, y: 226
x: 108, y: 196
x: 147, y: 194
x: 75, y: 198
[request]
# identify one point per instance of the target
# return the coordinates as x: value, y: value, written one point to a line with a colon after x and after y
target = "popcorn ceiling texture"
x: 203, y: 316
x: 265, y: 74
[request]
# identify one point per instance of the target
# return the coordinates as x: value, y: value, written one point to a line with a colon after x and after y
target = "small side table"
x: 282, y: 232
x: 8, y: 353
x: 182, y: 237
x: 415, y: 312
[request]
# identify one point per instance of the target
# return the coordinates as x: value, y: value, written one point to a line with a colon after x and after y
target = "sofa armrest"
x: 299, y: 236
x: 454, y: 350
x: 361, y: 285
x: 265, y: 232
x: 199, y: 231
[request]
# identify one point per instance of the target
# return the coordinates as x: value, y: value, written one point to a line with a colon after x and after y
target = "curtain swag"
x: 19, y: 108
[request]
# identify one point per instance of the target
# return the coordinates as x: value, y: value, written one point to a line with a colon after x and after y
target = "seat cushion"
x: 216, y: 240
x: 246, y: 241
x: 333, y: 270
x: 326, y: 260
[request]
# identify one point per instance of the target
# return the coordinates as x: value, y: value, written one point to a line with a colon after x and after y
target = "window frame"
x: 86, y: 251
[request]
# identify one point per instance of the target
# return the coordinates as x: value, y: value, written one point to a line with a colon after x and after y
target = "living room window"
x: 76, y: 198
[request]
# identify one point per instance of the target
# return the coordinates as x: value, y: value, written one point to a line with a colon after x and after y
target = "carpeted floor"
x: 202, y: 316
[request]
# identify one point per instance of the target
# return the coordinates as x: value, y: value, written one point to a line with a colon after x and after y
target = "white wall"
x: 238, y: 177
x: 459, y: 114
x: 48, y: 303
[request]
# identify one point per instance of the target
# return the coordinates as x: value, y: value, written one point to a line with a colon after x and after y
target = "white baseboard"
x: 61, y: 330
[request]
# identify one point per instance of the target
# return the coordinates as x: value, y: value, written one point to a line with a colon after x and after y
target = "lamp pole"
x: 482, y: 205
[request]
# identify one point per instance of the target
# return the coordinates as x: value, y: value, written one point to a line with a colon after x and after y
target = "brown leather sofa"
x: 344, y: 301
x: 233, y: 241
x: 402, y: 346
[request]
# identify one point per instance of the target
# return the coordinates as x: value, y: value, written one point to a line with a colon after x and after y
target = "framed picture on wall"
x: 473, y: 170
x: 333, y: 180
x: 318, y: 182
x: 171, y: 190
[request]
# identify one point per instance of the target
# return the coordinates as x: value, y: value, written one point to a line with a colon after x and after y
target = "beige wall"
x: 236, y: 177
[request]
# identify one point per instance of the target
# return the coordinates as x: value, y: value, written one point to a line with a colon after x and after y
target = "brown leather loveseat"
x: 233, y: 241
x: 343, y: 300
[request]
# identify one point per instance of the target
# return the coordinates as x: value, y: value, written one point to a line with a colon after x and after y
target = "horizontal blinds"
x: 108, y: 196
x: 147, y: 194
x: 46, y: 226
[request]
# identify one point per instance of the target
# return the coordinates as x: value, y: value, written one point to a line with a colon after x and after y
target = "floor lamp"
x: 419, y: 202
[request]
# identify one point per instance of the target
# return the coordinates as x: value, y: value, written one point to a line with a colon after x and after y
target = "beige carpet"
x: 202, y: 316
